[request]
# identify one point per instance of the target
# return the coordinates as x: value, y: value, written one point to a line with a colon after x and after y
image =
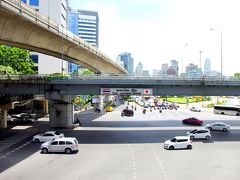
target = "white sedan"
x: 47, y: 136
x: 218, y: 126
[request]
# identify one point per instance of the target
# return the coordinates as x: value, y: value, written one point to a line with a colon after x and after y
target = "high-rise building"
x: 207, y: 66
x: 127, y: 61
x: 56, y: 10
x: 84, y: 24
x: 174, y: 65
x: 164, y: 69
x: 193, y: 71
x: 139, y: 68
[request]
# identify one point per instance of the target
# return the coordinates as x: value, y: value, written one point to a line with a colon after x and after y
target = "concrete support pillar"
x: 101, y: 103
x: 61, y: 115
x: 3, y: 118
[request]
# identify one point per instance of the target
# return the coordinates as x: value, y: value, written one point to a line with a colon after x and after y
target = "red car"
x: 192, y: 120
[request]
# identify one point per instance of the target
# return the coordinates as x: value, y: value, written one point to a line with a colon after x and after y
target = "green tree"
x: 237, y: 75
x: 86, y: 72
x: 18, y: 59
x: 7, y: 70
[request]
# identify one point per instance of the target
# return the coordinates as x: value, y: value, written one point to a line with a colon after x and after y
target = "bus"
x: 227, y: 110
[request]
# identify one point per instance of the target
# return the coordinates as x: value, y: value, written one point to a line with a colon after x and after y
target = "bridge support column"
x: 60, y: 110
x: 3, y: 118
x: 61, y: 115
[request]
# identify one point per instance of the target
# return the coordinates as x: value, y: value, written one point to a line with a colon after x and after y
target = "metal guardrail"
x: 32, y: 14
x: 44, y: 77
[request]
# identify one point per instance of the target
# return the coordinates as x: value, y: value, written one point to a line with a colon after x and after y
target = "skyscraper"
x: 139, y: 69
x: 84, y: 24
x: 207, y: 66
x: 127, y: 61
x: 56, y: 10
x: 174, y: 65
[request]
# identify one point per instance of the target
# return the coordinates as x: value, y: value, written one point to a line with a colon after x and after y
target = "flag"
x: 148, y: 91
x: 105, y: 90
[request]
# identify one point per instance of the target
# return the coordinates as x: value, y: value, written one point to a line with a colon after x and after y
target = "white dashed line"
x: 159, y: 162
x: 14, y: 150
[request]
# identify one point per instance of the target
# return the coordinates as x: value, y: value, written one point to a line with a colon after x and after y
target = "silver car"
x: 47, y: 136
x: 66, y: 144
x: 219, y: 126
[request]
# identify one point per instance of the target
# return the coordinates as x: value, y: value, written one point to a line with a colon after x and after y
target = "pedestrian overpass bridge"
x: 92, y: 84
x: 59, y: 89
x: 23, y: 27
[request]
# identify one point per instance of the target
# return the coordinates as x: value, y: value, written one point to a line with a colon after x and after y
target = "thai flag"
x: 106, y: 90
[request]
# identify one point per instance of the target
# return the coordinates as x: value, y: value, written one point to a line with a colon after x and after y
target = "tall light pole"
x: 200, y: 63
x: 221, y: 50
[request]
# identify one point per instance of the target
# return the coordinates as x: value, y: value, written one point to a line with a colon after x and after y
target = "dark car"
x: 192, y: 120
x: 127, y: 112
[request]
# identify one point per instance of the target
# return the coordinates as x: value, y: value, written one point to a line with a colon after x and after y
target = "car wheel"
x: 191, y: 137
x: 207, y: 137
x: 68, y: 151
x: 171, y: 148
x: 189, y: 146
x: 237, y: 114
x: 36, y: 141
x: 44, y: 150
x: 224, y: 130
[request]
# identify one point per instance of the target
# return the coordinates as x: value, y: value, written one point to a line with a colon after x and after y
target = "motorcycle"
x: 144, y: 111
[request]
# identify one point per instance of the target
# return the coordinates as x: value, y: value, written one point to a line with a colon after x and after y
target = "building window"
x: 34, y: 3
x: 35, y: 58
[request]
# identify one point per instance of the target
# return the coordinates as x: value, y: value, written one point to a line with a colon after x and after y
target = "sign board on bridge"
x: 126, y: 91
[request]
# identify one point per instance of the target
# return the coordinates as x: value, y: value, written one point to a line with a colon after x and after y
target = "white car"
x: 178, y: 142
x: 199, y: 134
x: 195, y: 109
x: 47, y: 136
x: 66, y: 144
x: 218, y: 126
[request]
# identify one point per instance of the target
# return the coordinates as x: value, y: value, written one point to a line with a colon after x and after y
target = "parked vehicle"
x: 195, y: 109
x: 178, y: 142
x: 192, y: 120
x: 219, y: 126
x: 66, y: 144
x: 47, y: 136
x: 127, y: 112
x: 199, y: 134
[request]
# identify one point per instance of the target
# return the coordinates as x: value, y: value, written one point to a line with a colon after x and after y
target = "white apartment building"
x: 56, y: 10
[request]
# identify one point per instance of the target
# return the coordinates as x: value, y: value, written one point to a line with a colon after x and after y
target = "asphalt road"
x: 123, y: 148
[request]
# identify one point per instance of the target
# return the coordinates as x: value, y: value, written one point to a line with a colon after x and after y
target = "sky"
x: 157, y: 31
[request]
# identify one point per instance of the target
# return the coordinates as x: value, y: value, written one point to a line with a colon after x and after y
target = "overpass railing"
x: 44, y: 78
x: 34, y: 15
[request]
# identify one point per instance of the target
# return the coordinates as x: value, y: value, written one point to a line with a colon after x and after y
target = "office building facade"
x: 56, y: 10
x: 127, y: 61
x: 207, y: 67
x: 84, y: 24
x: 139, y: 69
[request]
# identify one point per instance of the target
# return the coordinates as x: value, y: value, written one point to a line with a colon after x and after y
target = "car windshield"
x: 57, y: 133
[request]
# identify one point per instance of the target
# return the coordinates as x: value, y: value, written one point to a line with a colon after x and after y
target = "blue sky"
x: 156, y: 31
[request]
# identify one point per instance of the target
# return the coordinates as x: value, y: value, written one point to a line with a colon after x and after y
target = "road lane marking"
x: 158, y: 161
x: 14, y: 150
